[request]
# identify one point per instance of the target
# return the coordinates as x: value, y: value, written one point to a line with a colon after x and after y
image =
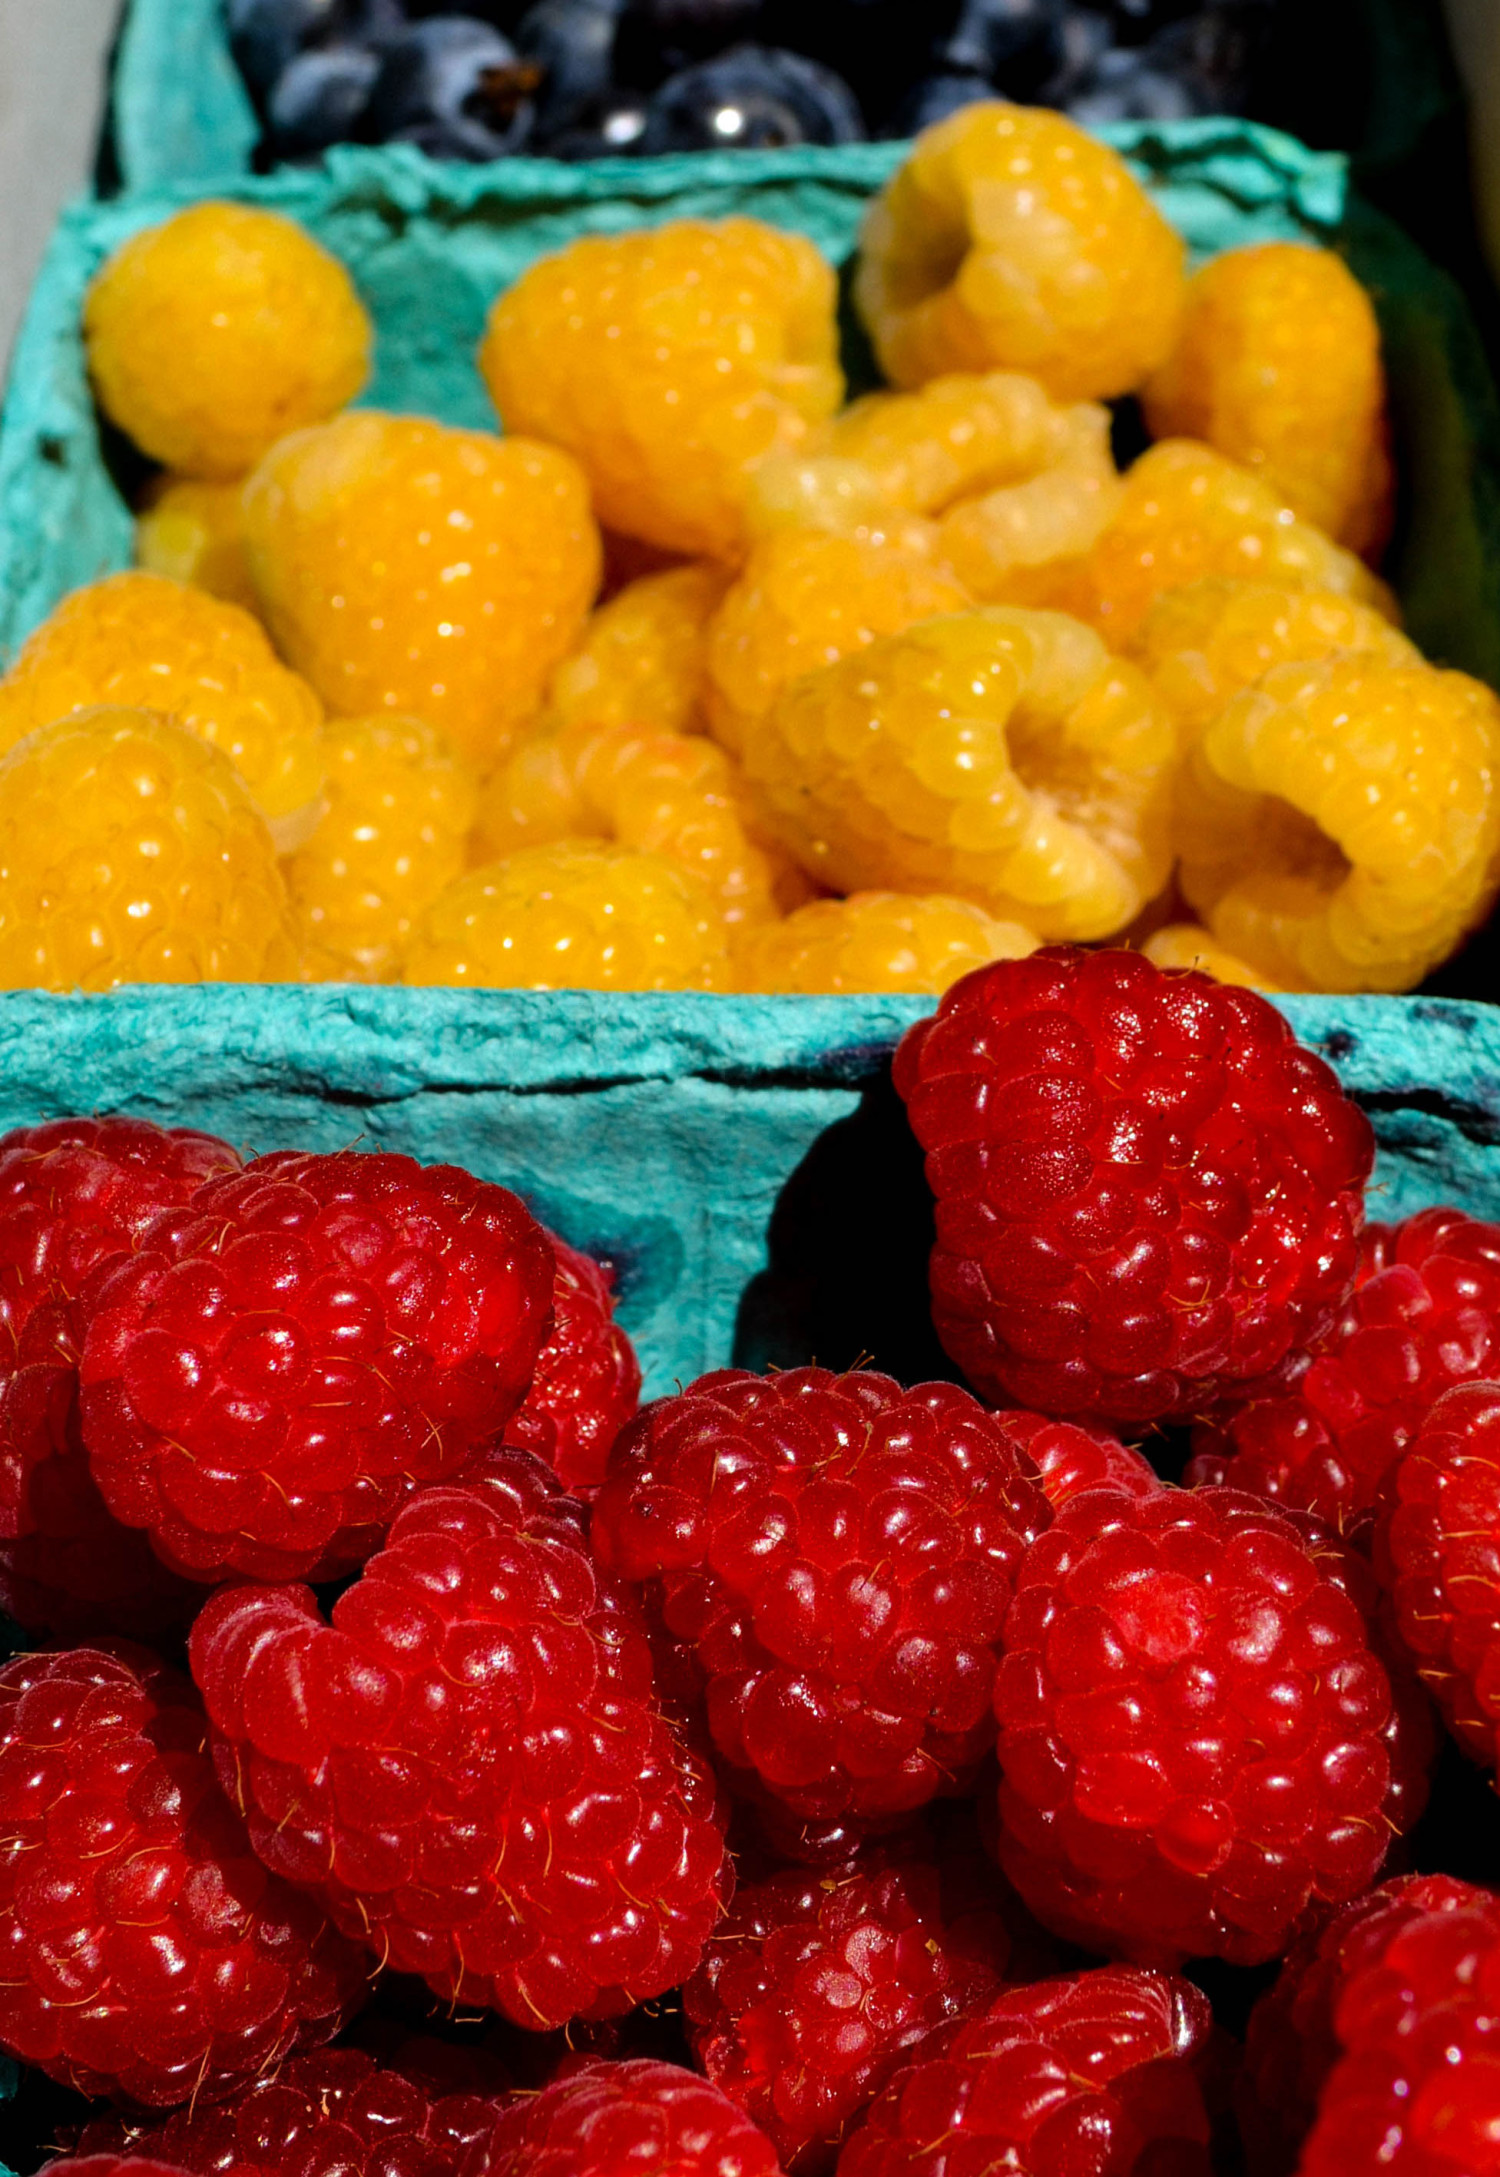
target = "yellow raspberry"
x: 211, y: 336
x: 533, y: 799
x: 1189, y: 945
x: 131, y: 853
x: 141, y: 641
x: 1186, y: 513
x: 1002, y: 755
x: 1277, y: 364
x: 393, y: 836
x: 1012, y: 240
x: 955, y: 436
x: 1201, y: 645
x: 669, y: 361
x: 573, y: 916
x: 803, y: 600
x: 1006, y: 544
x: 877, y: 941
x: 1339, y: 823
x: 190, y: 531
x: 405, y: 566
x: 642, y: 659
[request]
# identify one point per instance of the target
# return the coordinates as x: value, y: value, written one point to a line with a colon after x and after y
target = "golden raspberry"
x: 642, y: 658
x: 1001, y: 754
x: 392, y: 837
x: 877, y: 941
x: 211, y: 336
x: 190, y: 531
x: 139, y: 640
x: 669, y: 361
x: 573, y: 916
x: 1006, y: 544
x: 1012, y: 240
x: 131, y: 853
x: 1277, y: 364
x: 1201, y: 645
x: 803, y: 600
x: 955, y: 436
x: 404, y: 566
x: 533, y: 798
x: 1339, y: 822
x: 1188, y: 512
x: 1189, y: 945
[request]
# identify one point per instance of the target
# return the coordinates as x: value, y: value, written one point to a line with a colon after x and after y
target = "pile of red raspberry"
x: 805, y: 1772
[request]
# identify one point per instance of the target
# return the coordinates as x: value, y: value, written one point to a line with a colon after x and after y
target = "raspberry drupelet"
x: 1089, y: 2072
x: 1437, y: 1554
x: 282, y: 1361
x: 1148, y: 1194
x: 75, y: 1195
x: 816, y: 1984
x: 1424, y: 1316
x: 604, y: 2119
x: 837, y: 1554
x: 331, y: 2111
x: 1193, y: 1729
x: 469, y: 1767
x: 148, y: 1955
x: 587, y: 1382
x: 1071, y: 1459
x: 1292, y: 2043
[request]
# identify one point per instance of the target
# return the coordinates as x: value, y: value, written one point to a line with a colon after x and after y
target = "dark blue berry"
x: 659, y: 38
x: 935, y: 97
x: 1016, y: 45
x: 1136, y: 21
x: 265, y: 36
x: 318, y: 99
x: 573, y: 43
x: 454, y: 87
x: 751, y: 97
x: 610, y: 128
x: 1125, y: 87
x: 880, y: 48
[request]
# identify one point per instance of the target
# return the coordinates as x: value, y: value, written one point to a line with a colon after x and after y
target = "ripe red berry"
x: 106, y: 2164
x: 75, y: 1194
x: 283, y: 1361
x: 470, y: 1768
x: 1424, y: 1316
x: 1148, y: 1195
x: 332, y: 2113
x: 815, y: 1984
x: 1071, y: 1459
x: 616, y: 2119
x: 1091, y: 2073
x: 1439, y: 1553
x: 1292, y: 2045
x: 587, y: 1382
x: 1192, y: 1729
x: 839, y: 1555
x: 144, y: 1952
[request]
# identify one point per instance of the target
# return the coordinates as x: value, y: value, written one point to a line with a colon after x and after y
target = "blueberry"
x: 573, y: 43
x: 935, y: 97
x: 455, y: 87
x: 751, y: 97
x: 318, y: 98
x: 880, y: 48
x: 659, y: 38
x: 265, y: 36
x: 1135, y: 21
x: 1016, y: 45
x: 1126, y: 87
x: 609, y: 127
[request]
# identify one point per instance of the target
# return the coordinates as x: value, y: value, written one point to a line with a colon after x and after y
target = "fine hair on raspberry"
x: 836, y: 1554
x: 285, y: 1359
x: 1148, y: 1194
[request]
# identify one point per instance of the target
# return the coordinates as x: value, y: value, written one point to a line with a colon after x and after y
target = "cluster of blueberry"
x: 579, y: 79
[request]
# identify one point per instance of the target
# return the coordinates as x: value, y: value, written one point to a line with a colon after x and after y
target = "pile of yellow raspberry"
x: 696, y: 675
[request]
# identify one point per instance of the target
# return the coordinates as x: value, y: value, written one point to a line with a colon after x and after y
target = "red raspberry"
x: 1192, y: 1729
x: 1424, y: 1316
x: 1439, y: 1553
x: 74, y: 1195
x: 143, y: 1952
x: 1090, y: 2074
x: 1071, y: 1459
x: 1291, y: 2046
x: 614, y: 2120
x: 335, y: 2113
x: 815, y: 1983
x: 266, y: 1381
x: 106, y: 2164
x: 470, y: 1768
x: 1147, y: 1193
x: 839, y: 1553
x: 587, y: 1382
